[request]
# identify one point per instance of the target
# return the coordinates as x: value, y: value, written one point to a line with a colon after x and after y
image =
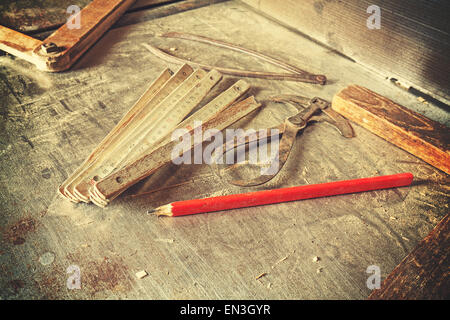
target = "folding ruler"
x: 60, y: 50
x: 147, y: 128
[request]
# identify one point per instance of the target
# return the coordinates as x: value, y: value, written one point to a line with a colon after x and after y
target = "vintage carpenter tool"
x: 413, y: 132
x: 64, y: 47
x: 296, y: 74
x: 315, y: 109
x: 205, y: 114
x: 147, y: 128
x: 156, y: 123
x: 112, y: 185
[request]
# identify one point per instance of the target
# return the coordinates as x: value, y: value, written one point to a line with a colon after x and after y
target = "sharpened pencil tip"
x: 161, y: 211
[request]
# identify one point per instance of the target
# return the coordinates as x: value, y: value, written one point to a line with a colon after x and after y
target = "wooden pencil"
x: 258, y: 198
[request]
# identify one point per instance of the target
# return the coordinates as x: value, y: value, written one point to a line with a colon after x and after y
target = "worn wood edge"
x: 76, y: 41
x: 142, y: 4
x: 19, y: 44
x: 424, y: 150
x: 419, y: 271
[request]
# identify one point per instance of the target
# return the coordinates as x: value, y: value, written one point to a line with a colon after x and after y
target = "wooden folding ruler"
x: 60, y: 50
x: 148, y: 125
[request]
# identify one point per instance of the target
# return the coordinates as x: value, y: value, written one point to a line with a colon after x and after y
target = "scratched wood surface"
x: 35, y: 16
x: 50, y: 122
x: 424, y: 273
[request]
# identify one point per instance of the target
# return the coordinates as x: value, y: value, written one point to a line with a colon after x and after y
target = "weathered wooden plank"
x: 97, y: 17
x: 31, y: 16
x: 424, y: 138
x: 412, y: 43
x: 37, y: 16
x: 424, y: 273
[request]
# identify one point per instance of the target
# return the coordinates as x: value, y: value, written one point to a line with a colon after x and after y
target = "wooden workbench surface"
x: 50, y: 122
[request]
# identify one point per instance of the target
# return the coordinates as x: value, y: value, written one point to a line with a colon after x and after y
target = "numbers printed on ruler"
x: 206, y: 112
x: 151, y: 120
x: 184, y: 99
x: 174, y: 82
x: 173, y: 117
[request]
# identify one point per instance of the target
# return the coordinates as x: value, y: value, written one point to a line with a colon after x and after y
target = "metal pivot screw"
x: 49, y: 47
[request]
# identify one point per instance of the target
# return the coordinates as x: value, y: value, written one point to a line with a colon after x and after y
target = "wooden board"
x: 424, y: 138
x: 36, y: 16
x: 49, y: 123
x: 67, y: 44
x: 424, y: 273
x: 411, y: 45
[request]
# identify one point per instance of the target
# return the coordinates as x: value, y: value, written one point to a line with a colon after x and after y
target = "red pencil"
x: 258, y: 198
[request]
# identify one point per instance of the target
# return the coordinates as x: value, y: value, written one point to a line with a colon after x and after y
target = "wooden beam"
x: 424, y: 273
x: 424, y: 138
x: 96, y: 18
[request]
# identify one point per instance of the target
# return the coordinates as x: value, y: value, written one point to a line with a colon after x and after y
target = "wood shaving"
x: 141, y: 274
x: 166, y: 240
x: 261, y: 275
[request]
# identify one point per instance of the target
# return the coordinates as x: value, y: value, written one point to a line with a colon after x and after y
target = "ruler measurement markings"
x: 151, y: 90
x: 80, y: 185
x: 218, y: 104
x: 181, y: 110
x: 146, y: 165
x: 150, y: 122
x: 206, y: 113
x: 139, y: 106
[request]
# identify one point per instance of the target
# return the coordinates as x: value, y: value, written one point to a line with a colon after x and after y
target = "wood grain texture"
x: 424, y: 273
x: 51, y: 122
x: 39, y: 15
x: 424, y: 138
x: 412, y: 44
x: 71, y: 43
x: 96, y: 18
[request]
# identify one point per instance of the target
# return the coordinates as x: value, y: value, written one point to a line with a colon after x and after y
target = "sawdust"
x: 165, y: 240
x: 261, y: 275
x: 283, y: 259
